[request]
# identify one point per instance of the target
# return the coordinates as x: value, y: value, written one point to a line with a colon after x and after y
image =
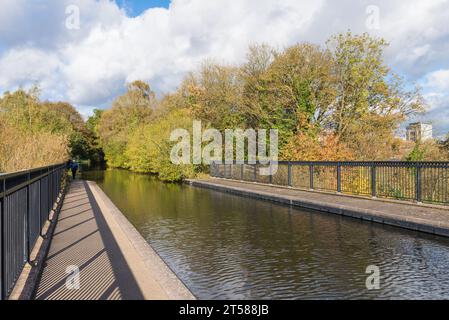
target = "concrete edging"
x: 167, y: 279
x: 347, y: 195
x: 411, y: 223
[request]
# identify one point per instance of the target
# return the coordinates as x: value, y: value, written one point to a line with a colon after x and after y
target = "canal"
x: 224, y: 246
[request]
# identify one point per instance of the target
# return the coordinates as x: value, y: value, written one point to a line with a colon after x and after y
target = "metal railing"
x: 26, y: 201
x: 411, y: 181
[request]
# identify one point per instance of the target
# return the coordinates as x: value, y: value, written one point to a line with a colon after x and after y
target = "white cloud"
x: 438, y: 80
x: 436, y: 87
x: 43, y: 23
x: 91, y: 65
x: 25, y: 66
x: 165, y: 44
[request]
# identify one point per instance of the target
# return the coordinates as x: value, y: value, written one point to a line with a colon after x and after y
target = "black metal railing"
x: 412, y: 181
x: 26, y: 201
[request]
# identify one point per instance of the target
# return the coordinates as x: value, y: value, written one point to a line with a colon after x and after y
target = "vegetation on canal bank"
x: 36, y: 133
x: 334, y: 102
x: 338, y: 102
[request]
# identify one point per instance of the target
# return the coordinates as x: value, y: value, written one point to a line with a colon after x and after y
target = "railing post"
x: 311, y: 175
x: 271, y: 173
x: 40, y: 208
x: 418, y: 183
x: 27, y: 223
x: 59, y: 181
x: 242, y: 166
x: 255, y: 172
x: 373, y: 180
x: 339, y: 177
x: 289, y: 174
x: 48, y: 194
x: 54, y: 187
x: 2, y: 242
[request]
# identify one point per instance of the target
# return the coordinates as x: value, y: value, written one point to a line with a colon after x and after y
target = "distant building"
x: 419, y: 131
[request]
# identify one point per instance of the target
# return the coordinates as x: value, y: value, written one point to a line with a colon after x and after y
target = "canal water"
x: 229, y: 247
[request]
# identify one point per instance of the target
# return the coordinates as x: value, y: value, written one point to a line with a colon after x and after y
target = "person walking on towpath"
x: 74, y: 167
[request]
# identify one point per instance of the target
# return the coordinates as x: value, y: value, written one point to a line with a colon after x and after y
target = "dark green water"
x: 230, y: 247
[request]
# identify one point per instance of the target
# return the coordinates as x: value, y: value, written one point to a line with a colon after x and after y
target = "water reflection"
x: 229, y: 247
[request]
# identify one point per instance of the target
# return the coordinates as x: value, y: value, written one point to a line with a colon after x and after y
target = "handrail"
x: 386, y: 162
x: 29, y: 180
x: 6, y: 175
x: 27, y: 198
x: 419, y: 181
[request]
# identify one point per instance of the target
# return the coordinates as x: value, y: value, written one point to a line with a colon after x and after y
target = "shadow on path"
x: 83, y: 241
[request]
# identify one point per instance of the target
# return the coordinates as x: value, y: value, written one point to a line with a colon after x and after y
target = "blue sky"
x: 136, y: 7
x: 90, y: 65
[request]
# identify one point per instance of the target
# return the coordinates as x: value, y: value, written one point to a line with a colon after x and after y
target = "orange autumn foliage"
x: 326, y: 147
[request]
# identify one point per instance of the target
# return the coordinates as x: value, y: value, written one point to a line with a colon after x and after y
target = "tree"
x: 305, y: 147
x: 21, y: 150
x: 252, y: 72
x: 93, y: 121
x: 63, y: 118
x: 128, y: 112
x: 428, y: 150
x: 370, y: 101
x: 445, y: 143
x: 20, y: 107
x: 149, y: 147
x: 213, y: 94
x: 343, y: 90
x: 96, y: 152
x: 291, y: 94
x: 33, y: 134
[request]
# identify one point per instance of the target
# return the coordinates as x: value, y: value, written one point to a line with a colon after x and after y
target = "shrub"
x: 22, y: 150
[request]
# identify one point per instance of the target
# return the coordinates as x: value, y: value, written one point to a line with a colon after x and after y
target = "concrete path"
x: 89, y: 238
x: 415, y: 217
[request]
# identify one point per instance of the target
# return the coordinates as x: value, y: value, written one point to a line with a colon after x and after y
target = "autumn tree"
x: 428, y: 150
x: 128, y: 112
x: 214, y: 95
x: 293, y: 93
x: 20, y: 108
x: 334, y: 102
x: 252, y: 72
x: 370, y: 100
x: 36, y: 133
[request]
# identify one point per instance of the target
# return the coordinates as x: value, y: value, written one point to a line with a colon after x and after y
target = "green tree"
x: 94, y: 120
x: 96, y: 153
x: 149, y: 147
x: 128, y: 112
x: 417, y: 154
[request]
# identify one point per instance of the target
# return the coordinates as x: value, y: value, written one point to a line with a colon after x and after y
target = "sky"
x: 136, y: 7
x: 85, y: 51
